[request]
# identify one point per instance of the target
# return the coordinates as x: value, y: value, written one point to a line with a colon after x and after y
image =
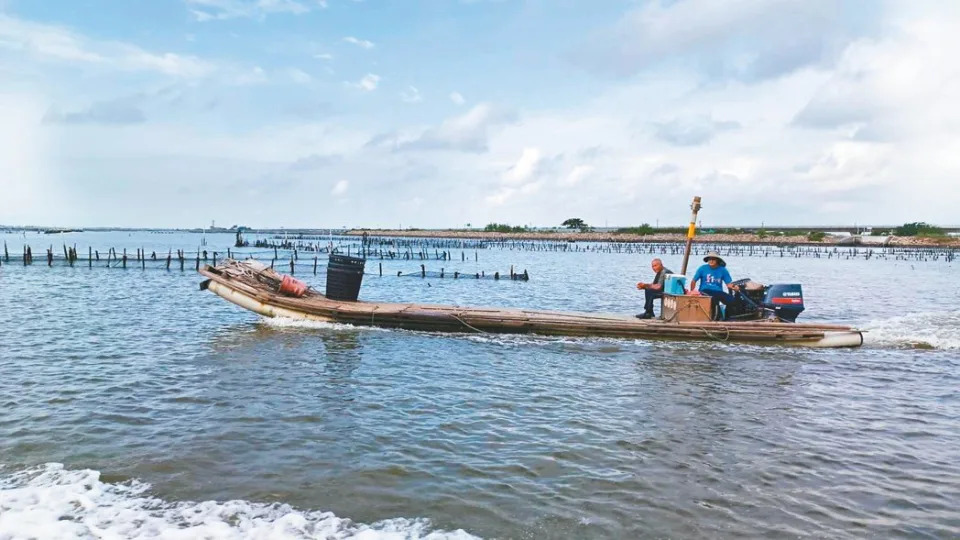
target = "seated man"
x: 653, y: 290
x: 712, y: 277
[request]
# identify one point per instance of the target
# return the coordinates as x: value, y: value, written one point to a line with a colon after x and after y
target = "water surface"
x: 171, y: 410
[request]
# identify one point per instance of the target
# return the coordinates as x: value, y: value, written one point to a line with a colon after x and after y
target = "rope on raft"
x: 463, y: 322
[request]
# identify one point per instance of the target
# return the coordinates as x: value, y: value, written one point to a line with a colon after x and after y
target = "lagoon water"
x: 134, y: 405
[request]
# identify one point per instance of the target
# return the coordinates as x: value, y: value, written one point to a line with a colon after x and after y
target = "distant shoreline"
x: 919, y: 242
x: 891, y: 241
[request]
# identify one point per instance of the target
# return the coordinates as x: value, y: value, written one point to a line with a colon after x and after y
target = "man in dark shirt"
x: 653, y: 290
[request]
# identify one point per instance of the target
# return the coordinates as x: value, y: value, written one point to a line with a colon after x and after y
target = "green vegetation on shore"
x: 504, y: 228
x: 647, y: 229
x: 918, y: 228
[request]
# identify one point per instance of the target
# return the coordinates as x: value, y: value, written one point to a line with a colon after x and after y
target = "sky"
x: 443, y: 113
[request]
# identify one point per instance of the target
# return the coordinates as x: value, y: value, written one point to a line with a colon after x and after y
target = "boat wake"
x: 916, y: 331
x: 288, y: 323
x: 50, y: 501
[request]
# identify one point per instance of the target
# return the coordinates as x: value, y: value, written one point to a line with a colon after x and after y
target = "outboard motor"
x: 785, y: 300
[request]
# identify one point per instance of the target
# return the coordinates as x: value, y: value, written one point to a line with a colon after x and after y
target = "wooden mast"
x: 691, y: 231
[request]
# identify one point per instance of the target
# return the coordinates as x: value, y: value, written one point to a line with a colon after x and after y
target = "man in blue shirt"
x: 712, y: 277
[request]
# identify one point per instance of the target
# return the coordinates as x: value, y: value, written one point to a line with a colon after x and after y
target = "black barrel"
x: 344, y: 276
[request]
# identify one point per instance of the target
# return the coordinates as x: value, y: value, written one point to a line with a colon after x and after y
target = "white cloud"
x: 340, y: 188
x: 208, y: 10
x: 525, y: 167
x: 467, y: 133
x: 252, y: 76
x: 48, y: 42
x: 456, y: 98
x: 522, y: 178
x: 577, y: 175
x: 411, y: 95
x: 507, y: 194
x: 693, y: 131
x: 117, y: 112
x: 299, y: 76
x: 743, y: 39
x: 367, y: 83
x: 323, y: 56
x: 362, y: 43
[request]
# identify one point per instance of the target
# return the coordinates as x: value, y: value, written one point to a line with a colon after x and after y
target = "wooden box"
x: 677, y: 308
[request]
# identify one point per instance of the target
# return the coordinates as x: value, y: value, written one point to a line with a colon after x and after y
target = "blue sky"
x: 445, y: 112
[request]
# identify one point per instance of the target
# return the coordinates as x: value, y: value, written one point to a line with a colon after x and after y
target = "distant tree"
x: 762, y: 233
x: 574, y: 223
x: 816, y: 236
x: 918, y: 228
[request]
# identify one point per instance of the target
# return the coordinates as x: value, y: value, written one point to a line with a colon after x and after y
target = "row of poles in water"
x: 442, y: 249
x: 410, y: 248
x: 180, y: 259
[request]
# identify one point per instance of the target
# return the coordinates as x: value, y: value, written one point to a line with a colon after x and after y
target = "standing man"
x: 653, y: 290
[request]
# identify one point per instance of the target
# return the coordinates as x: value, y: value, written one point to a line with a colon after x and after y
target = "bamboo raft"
x: 255, y: 287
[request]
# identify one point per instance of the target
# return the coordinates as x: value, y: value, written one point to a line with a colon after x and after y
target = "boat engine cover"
x: 786, y: 300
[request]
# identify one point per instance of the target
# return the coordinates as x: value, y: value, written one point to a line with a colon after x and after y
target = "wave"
x: 51, y: 501
x: 932, y: 330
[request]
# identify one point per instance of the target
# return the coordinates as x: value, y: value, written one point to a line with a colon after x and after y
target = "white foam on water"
x: 933, y: 330
x: 50, y: 501
x: 287, y: 322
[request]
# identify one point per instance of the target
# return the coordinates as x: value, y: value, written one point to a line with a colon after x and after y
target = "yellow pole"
x: 691, y: 231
